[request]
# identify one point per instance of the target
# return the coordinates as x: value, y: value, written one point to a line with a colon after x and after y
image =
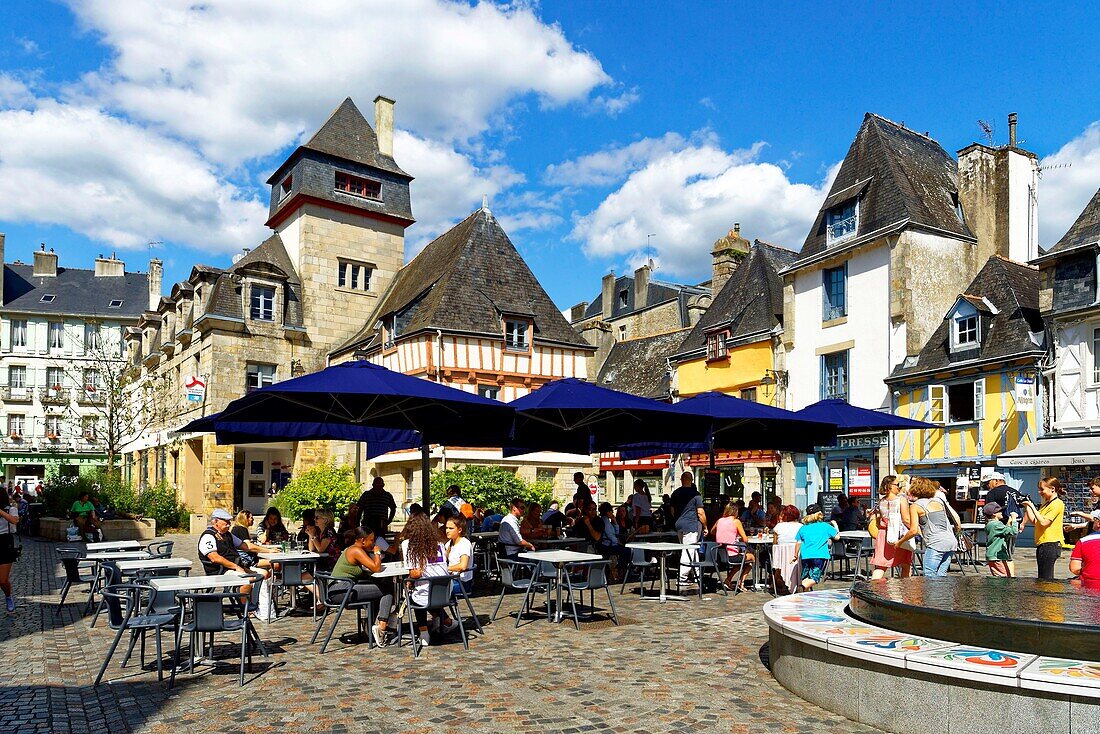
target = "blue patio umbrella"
x: 733, y: 424
x: 849, y: 419
x: 580, y: 417
x: 362, y: 401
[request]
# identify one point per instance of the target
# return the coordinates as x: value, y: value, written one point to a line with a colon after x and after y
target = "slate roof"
x: 269, y: 260
x: 640, y: 366
x: 750, y: 302
x: 347, y: 134
x: 1013, y: 289
x: 658, y: 292
x: 896, y: 174
x: 463, y: 281
x: 77, y: 292
x: 1085, y: 231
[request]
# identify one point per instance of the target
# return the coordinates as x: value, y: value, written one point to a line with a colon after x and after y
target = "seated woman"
x: 322, y: 538
x: 425, y: 558
x: 83, y: 516
x: 731, y: 533
x: 242, y: 529
x: 272, y: 529
x: 532, y: 527
x: 460, y: 560
x: 784, y: 566
x: 358, y: 561
x: 309, y: 521
x: 609, y: 545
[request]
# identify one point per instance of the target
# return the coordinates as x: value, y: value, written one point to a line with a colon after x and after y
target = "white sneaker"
x: 450, y: 627
x: 425, y: 639
x: 379, y: 635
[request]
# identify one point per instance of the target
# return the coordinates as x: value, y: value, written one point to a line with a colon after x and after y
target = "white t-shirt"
x: 435, y: 567
x: 642, y: 505
x: 510, y: 535
x: 455, y: 551
x: 786, y: 531
x: 5, y: 526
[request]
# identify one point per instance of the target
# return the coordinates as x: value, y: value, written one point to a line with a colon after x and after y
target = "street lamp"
x: 773, y: 379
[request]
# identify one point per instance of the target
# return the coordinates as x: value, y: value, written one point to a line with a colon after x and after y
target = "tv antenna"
x: 1053, y: 167
x: 987, y: 130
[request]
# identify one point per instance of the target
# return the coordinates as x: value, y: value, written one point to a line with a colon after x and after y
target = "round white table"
x: 663, y: 549
x: 558, y: 558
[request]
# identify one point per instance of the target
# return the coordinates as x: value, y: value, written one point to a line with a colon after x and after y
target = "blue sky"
x: 589, y: 125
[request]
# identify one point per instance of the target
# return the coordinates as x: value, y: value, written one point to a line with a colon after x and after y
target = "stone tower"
x: 340, y: 204
x: 726, y: 255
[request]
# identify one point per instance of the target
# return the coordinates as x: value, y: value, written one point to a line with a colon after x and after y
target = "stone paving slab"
x: 693, y: 666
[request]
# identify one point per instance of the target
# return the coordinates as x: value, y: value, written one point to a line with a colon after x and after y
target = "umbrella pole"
x: 425, y: 477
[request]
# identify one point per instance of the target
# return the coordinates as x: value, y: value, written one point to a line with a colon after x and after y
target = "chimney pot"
x: 383, y: 124
x: 737, y: 228
x: 1012, y: 129
x: 45, y: 263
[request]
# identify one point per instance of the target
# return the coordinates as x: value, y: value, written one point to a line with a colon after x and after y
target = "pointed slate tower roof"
x: 899, y: 177
x: 347, y: 134
x: 751, y: 301
x: 465, y: 280
x: 1085, y: 232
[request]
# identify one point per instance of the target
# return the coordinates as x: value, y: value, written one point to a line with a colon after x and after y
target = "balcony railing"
x: 842, y: 229
x: 53, y: 396
x: 12, y: 394
x: 91, y: 397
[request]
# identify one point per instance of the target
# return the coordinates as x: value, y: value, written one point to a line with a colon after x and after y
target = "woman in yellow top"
x: 1047, y: 519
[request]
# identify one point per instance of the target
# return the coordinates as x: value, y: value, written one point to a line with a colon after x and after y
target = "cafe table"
x: 143, y: 565
x: 760, y: 543
x: 118, y: 555
x: 558, y: 559
x: 663, y: 549
x: 113, y: 545
x: 290, y: 558
x: 200, y: 583
x: 861, y: 536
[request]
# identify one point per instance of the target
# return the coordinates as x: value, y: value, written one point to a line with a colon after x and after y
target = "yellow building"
x: 976, y: 379
x: 734, y: 349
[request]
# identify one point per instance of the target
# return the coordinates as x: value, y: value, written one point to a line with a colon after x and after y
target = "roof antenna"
x: 987, y: 130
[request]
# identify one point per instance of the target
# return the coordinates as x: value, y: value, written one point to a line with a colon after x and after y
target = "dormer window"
x: 389, y: 331
x: 285, y: 186
x: 624, y: 298
x: 842, y: 221
x: 966, y: 331
x: 716, y: 345
x: 958, y: 208
x: 515, y: 335
x: 358, y: 186
x: 262, y: 303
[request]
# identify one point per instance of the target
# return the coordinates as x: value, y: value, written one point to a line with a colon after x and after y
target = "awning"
x: 1061, y: 451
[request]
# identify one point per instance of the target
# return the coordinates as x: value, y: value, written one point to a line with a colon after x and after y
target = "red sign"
x: 859, y: 480
x: 726, y: 458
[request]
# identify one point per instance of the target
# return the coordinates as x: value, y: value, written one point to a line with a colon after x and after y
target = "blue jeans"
x: 936, y: 563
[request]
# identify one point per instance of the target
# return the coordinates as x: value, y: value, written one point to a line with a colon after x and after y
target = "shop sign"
x: 836, y: 480
x: 859, y: 482
x: 195, y: 388
x: 1025, y: 393
x: 871, y: 441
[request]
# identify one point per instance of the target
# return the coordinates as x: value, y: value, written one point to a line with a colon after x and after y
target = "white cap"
x: 996, y: 475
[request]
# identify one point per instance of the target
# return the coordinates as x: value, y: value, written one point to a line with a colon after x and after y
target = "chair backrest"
x: 161, y: 548
x: 292, y: 574
x: 112, y: 576
x: 440, y: 590
x: 120, y: 600
x: 509, y: 569
x: 207, y: 610
x: 70, y: 560
x: 839, y: 549
x: 597, y: 574
x: 708, y: 547
x: 547, y: 570
x: 333, y: 590
x: 160, y: 602
x: 720, y: 557
x: 637, y: 557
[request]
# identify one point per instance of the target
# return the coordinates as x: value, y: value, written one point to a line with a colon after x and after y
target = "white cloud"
x: 14, y: 92
x: 242, y: 79
x: 104, y: 177
x: 448, y: 185
x: 1063, y: 192
x: 611, y: 165
x: 691, y: 195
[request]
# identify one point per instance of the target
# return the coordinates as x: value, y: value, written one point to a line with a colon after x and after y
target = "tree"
x: 326, y: 486
x: 112, y: 402
x: 491, y: 487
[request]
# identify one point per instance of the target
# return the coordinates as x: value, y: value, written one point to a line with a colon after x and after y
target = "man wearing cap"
x: 1085, y: 559
x: 217, y: 546
x: 997, y: 492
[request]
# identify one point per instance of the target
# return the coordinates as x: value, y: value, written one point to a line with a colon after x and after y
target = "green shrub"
x: 491, y: 487
x: 323, y: 486
x: 158, y: 502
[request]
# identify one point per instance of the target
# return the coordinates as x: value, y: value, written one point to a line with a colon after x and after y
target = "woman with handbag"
x: 892, y: 520
x: 9, y: 544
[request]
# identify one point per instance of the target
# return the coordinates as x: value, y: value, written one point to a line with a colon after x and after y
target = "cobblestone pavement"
x: 693, y: 666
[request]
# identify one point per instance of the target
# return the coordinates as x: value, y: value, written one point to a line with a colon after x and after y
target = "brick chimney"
x: 607, y: 295
x: 45, y: 263
x: 997, y: 198
x: 726, y: 255
x: 109, y: 267
x: 156, y: 278
x: 383, y: 124
x: 641, y: 285
x: 576, y: 312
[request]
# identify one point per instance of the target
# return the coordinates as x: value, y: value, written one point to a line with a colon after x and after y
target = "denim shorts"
x: 813, y: 568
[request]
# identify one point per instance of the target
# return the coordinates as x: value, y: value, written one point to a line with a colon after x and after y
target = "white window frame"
x: 60, y: 382
x: 55, y: 336
x: 517, y: 335
x: 1095, y: 371
x: 93, y: 337
x: 18, y: 328
x: 717, y: 348
x: 17, y: 424
x: 53, y: 421
x: 257, y: 309
x: 263, y: 377
x: 957, y: 331
x: 389, y: 332
x: 17, y: 369
x: 830, y: 239
x: 939, y: 403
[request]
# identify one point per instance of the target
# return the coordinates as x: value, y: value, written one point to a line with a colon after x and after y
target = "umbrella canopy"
x: 734, y: 424
x: 849, y: 419
x: 361, y: 401
x: 580, y: 417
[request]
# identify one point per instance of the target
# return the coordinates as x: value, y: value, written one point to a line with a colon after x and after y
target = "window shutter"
x: 937, y: 404
x: 979, y: 399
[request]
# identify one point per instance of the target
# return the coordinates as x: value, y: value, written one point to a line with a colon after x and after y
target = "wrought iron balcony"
x: 53, y: 396
x: 16, y: 394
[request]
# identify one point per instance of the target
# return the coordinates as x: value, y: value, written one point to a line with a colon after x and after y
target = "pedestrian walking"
x: 9, y: 545
x: 893, y: 519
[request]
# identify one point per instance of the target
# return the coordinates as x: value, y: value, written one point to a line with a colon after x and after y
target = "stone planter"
x: 53, y: 528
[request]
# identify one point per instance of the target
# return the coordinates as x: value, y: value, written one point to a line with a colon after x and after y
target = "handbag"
x: 872, y: 526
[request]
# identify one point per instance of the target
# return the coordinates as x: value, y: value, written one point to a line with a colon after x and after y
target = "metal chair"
x: 639, y: 562
x: 336, y: 596
x: 705, y: 563
x: 72, y: 560
x: 457, y: 577
x: 122, y: 602
x: 208, y: 617
x: 291, y: 575
x: 596, y: 578
x: 161, y: 548
x: 109, y: 575
x: 510, y: 579
x: 440, y: 596
x: 843, y: 554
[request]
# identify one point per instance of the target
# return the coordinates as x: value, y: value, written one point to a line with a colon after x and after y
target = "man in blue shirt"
x: 691, y: 522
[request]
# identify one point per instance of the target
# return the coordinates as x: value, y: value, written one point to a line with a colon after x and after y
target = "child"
x: 997, y: 534
x: 813, y: 544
